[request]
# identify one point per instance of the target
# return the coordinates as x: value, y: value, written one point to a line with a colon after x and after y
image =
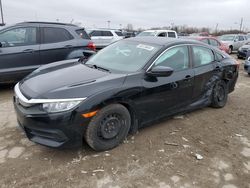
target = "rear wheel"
x: 219, y: 95
x: 108, y: 128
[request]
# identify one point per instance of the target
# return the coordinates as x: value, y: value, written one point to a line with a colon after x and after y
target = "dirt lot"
x: 162, y: 155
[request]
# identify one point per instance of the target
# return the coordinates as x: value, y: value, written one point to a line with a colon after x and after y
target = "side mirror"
x: 1, y: 45
x: 160, y: 71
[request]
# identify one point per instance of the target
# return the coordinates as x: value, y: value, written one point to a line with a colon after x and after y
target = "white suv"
x: 159, y: 33
x: 104, y: 37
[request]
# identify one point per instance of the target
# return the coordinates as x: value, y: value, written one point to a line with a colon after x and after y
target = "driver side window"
x: 176, y: 58
x: 19, y: 37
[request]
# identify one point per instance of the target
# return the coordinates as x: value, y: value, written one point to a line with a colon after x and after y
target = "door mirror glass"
x: 160, y: 71
x: 1, y: 45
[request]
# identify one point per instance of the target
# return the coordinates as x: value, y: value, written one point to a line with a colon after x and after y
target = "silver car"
x: 234, y: 41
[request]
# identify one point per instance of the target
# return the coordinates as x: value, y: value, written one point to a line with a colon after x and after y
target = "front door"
x: 164, y: 96
x: 19, y: 51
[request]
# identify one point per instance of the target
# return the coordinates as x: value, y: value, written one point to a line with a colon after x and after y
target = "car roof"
x: 46, y: 23
x: 159, y: 30
x: 165, y: 41
x: 202, y: 37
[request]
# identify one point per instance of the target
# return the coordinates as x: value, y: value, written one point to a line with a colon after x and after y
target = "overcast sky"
x: 140, y: 13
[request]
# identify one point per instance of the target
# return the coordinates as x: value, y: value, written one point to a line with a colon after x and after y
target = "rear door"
x: 205, y: 67
x: 163, y: 96
x: 20, y: 50
x: 56, y: 44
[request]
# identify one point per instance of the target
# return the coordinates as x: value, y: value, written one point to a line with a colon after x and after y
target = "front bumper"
x: 57, y: 130
x: 242, y: 54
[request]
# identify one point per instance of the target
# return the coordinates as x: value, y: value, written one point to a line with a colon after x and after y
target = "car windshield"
x: 146, y: 34
x: 124, y: 56
x: 227, y: 38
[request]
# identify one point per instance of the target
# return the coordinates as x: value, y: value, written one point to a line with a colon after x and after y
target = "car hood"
x: 68, y: 79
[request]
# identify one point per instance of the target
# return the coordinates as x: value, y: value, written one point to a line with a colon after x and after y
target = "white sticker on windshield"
x: 145, y: 47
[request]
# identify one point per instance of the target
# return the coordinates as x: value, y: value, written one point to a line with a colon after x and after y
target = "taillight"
x: 91, y: 46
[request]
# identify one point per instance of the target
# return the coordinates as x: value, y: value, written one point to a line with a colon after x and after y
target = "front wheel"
x: 219, y: 95
x: 108, y: 128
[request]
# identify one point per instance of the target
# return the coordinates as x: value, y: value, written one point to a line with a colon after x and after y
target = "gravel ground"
x: 205, y: 148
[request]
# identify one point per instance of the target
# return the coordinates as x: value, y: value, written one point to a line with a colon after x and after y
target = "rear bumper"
x: 59, y: 130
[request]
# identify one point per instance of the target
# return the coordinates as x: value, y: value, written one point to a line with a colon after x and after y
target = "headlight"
x: 60, y: 106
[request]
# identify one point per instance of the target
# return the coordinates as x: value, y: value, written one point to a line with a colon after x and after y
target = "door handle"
x: 187, y: 78
x: 68, y: 46
x: 28, y: 51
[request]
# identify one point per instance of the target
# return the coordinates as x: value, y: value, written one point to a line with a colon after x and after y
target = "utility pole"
x: 241, y: 24
x: 1, y: 9
x: 108, y: 24
x: 216, y: 28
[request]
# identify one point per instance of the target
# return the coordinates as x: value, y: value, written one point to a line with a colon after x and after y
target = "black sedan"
x: 120, y: 89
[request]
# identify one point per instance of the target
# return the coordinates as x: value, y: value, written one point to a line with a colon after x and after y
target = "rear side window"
x: 162, y: 34
x: 96, y: 33
x: 107, y: 33
x: 82, y: 33
x: 202, y: 56
x: 214, y: 42
x: 171, y: 34
x: 177, y: 58
x: 53, y: 35
x: 219, y: 57
x: 241, y: 38
x: 119, y: 33
x: 205, y: 41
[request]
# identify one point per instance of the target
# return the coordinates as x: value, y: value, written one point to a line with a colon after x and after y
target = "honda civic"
x: 123, y: 87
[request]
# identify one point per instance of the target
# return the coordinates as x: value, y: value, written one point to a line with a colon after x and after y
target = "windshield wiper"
x: 97, y: 67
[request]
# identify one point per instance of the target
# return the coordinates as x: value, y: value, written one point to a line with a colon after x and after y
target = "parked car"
x: 128, y: 34
x: 202, y: 34
x: 213, y: 42
x: 28, y: 45
x: 158, y: 33
x: 104, y: 37
x: 247, y: 65
x: 234, y: 41
x: 124, y: 86
x: 244, y: 51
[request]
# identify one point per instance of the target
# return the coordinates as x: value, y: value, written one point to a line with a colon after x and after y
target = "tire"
x: 230, y: 50
x: 219, y: 94
x: 108, y: 128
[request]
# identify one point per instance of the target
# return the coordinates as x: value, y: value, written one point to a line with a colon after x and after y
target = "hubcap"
x: 111, y: 125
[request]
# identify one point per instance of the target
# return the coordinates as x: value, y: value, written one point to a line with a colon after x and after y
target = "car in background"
x: 128, y: 34
x: 233, y: 41
x: 213, y: 42
x: 158, y: 33
x: 247, y: 65
x: 202, y: 34
x: 104, y: 37
x: 244, y: 51
x: 125, y: 86
x: 26, y: 46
